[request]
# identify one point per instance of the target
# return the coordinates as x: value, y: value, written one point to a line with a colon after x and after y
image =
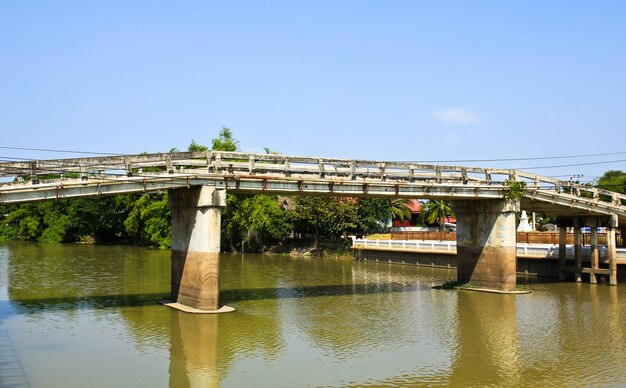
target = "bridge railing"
x: 449, y: 247
x: 240, y: 164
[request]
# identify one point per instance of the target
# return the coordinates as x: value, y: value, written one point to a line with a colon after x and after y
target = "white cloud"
x: 456, y: 115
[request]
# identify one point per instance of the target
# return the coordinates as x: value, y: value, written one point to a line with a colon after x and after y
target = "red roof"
x: 415, y: 206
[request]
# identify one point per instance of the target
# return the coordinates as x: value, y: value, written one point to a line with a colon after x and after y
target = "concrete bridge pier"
x: 486, y: 243
x: 196, y: 227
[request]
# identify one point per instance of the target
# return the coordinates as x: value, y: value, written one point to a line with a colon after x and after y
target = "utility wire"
x: 412, y: 161
x: 572, y: 165
x: 515, y: 159
x: 60, y: 151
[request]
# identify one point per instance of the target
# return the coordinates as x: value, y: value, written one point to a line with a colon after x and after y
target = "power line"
x: 572, y: 165
x: 412, y: 161
x: 60, y: 151
x: 513, y: 159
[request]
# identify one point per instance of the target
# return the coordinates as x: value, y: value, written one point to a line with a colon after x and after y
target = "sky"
x: 425, y: 81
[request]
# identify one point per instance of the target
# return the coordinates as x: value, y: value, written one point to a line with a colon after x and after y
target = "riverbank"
x: 307, y: 247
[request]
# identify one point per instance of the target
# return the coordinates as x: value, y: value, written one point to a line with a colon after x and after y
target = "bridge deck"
x: 37, y: 180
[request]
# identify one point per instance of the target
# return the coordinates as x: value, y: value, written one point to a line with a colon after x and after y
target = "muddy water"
x: 85, y: 316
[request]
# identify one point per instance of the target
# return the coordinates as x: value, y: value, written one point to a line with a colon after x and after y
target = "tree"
x: 195, y: 147
x: 400, y: 209
x: 613, y: 180
x: 255, y: 221
x: 225, y: 141
x: 435, y: 211
x: 149, y: 220
x: 374, y: 214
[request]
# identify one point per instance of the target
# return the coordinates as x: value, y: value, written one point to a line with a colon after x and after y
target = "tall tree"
x: 436, y: 211
x: 400, y: 209
x: 225, y: 141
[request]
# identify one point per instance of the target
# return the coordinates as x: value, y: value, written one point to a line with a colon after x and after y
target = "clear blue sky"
x: 390, y: 80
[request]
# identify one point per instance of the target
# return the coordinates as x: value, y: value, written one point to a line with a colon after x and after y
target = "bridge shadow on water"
x: 316, y: 291
x: 31, y: 305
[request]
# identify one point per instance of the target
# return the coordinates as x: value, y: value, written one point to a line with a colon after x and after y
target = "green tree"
x: 101, y: 218
x: 149, y: 220
x: 613, y: 180
x: 435, y: 211
x: 325, y: 216
x: 255, y: 221
x: 225, y: 141
x: 373, y: 214
x: 400, y: 209
x: 195, y: 147
x: 23, y: 222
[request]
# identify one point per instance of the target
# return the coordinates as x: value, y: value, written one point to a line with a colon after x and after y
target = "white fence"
x: 449, y: 247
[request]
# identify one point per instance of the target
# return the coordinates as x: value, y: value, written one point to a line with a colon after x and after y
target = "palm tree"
x: 435, y: 211
x: 400, y: 209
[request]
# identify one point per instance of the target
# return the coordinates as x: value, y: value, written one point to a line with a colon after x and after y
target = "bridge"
x: 197, y: 183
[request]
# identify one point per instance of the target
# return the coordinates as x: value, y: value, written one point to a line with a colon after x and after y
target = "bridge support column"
x: 595, y: 255
x: 577, y: 252
x: 196, y: 219
x: 486, y: 243
x: 562, y: 250
x: 611, y: 244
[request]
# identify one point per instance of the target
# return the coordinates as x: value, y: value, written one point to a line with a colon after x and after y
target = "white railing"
x: 449, y: 247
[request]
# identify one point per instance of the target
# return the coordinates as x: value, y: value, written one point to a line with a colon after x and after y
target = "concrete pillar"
x: 562, y: 251
x: 594, y: 258
x: 486, y: 243
x: 578, y: 252
x: 611, y: 244
x: 612, y: 251
x: 195, y: 268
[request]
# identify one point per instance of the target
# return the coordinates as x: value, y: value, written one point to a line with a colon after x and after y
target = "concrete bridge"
x: 198, y: 181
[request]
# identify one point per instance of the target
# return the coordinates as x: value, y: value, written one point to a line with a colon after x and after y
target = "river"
x: 85, y: 316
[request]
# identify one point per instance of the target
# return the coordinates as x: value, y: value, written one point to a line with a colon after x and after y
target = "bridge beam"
x: 195, y: 267
x: 486, y: 243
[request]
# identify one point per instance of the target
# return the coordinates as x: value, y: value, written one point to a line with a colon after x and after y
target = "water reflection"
x: 89, y: 313
x: 194, y: 350
x: 487, y: 351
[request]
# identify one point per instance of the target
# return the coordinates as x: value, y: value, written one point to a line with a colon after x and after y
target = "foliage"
x: 613, y: 180
x: 435, y: 211
x: 325, y: 216
x: 339, y: 216
x: 454, y: 285
x: 149, y: 221
x: 225, y: 141
x: 195, y: 147
x: 65, y: 221
x: 255, y: 222
x: 514, y: 189
x: 400, y: 209
x: 373, y: 214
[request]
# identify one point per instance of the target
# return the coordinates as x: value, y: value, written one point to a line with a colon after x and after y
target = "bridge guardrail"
x: 449, y: 247
x: 240, y: 164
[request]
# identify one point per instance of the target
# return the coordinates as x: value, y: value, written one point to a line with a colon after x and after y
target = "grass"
x: 453, y: 285
x: 379, y: 236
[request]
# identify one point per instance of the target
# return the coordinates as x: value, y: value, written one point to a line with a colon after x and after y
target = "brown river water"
x: 85, y: 316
